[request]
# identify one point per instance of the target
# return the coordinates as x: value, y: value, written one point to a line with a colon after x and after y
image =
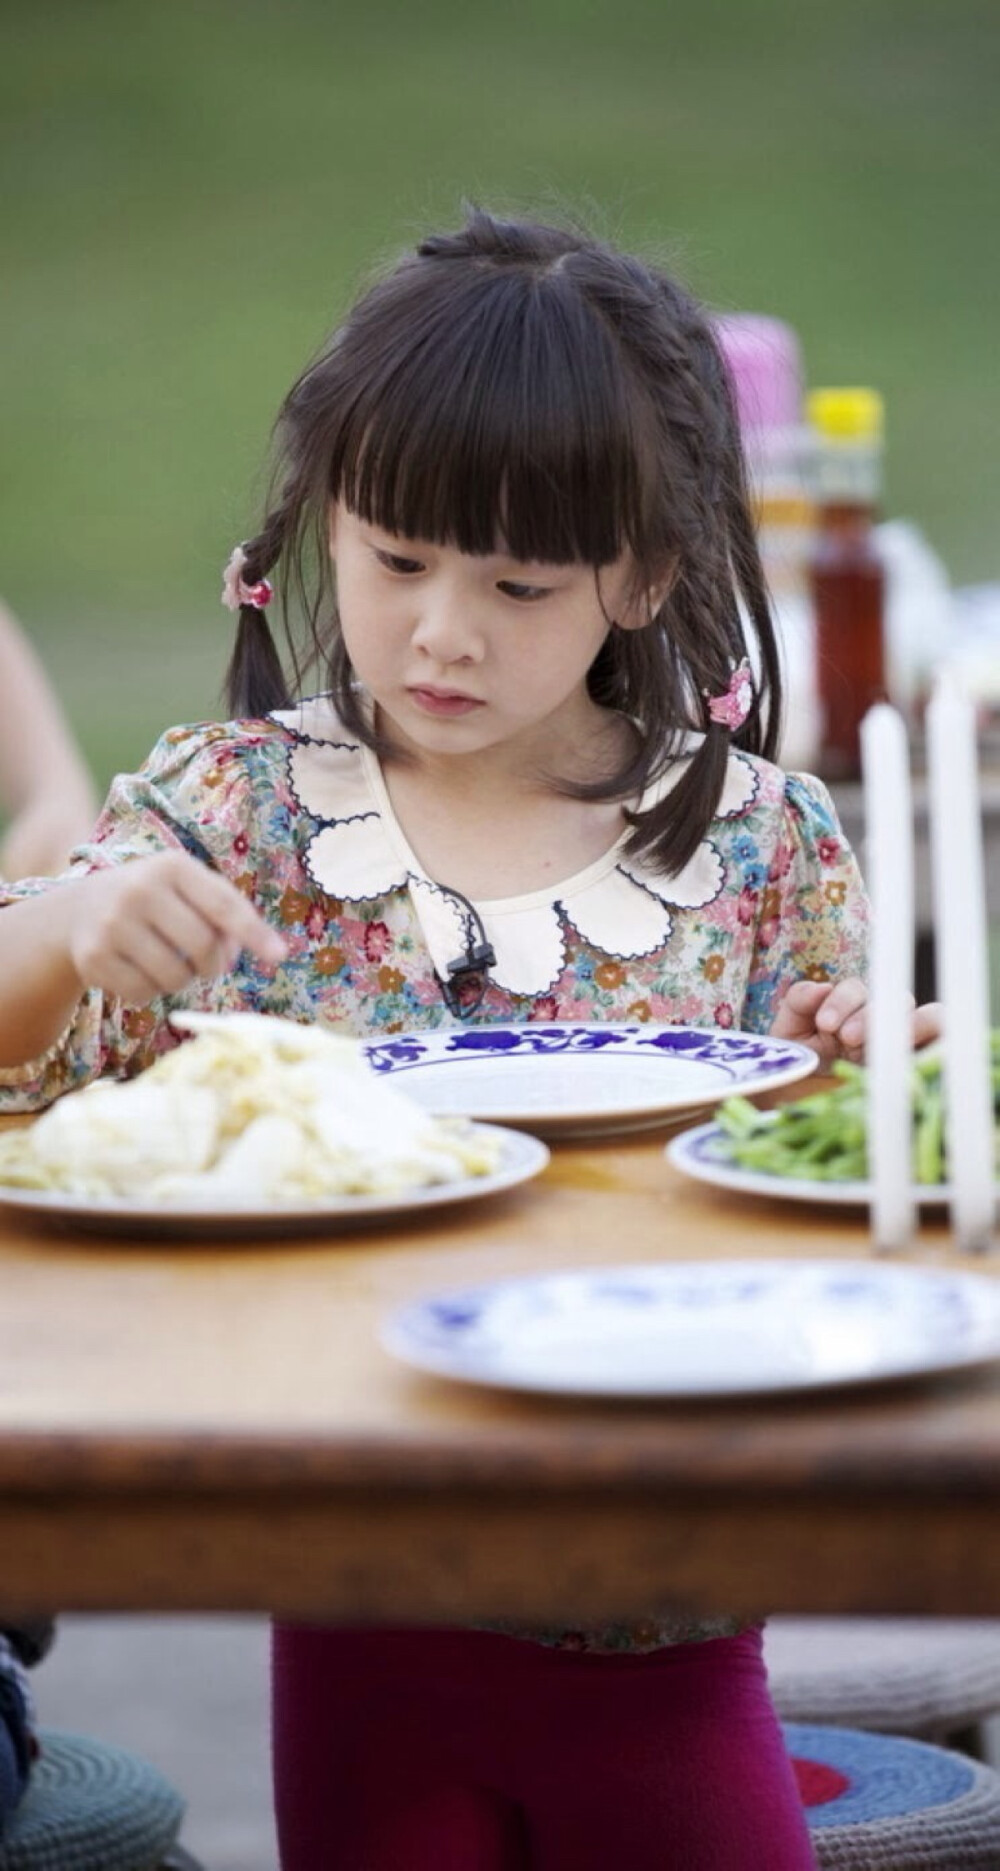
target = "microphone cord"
x: 467, y: 977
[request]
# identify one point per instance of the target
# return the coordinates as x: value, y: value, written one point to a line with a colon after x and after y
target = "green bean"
x: 824, y: 1136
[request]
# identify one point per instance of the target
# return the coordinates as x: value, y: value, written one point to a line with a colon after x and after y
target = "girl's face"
x: 464, y: 654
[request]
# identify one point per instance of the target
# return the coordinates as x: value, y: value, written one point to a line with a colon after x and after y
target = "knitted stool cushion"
x: 876, y: 1803
x: 91, y: 1807
x: 903, y: 1676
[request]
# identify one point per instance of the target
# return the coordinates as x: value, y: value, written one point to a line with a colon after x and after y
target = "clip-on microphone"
x: 466, y: 985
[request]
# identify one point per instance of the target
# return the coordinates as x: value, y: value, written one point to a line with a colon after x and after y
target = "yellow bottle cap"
x: 846, y: 415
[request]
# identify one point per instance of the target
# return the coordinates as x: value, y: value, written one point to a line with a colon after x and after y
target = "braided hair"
x: 526, y: 388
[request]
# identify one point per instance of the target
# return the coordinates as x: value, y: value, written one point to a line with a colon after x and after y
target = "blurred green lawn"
x: 192, y: 193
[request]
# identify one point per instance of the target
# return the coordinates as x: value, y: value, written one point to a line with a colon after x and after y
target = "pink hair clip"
x: 731, y: 709
x: 236, y: 591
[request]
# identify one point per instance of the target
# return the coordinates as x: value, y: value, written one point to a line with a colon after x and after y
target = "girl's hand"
x: 151, y: 926
x: 832, y: 1018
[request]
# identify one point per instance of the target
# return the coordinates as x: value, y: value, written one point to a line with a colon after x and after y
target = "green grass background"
x: 192, y: 192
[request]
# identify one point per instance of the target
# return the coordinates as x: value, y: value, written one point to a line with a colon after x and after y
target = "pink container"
x: 765, y: 364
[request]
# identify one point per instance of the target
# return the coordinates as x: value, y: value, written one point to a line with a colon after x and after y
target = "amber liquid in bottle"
x: 848, y: 590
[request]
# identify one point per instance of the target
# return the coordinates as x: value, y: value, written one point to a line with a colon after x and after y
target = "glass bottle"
x: 846, y: 573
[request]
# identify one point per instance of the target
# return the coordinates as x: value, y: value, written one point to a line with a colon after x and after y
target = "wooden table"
x: 215, y: 1426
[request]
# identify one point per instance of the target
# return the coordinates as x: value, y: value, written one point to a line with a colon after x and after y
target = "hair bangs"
x: 502, y: 422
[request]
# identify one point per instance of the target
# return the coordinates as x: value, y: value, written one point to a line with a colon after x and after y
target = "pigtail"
x: 688, y: 809
x: 255, y: 679
x: 699, y: 660
x: 701, y: 631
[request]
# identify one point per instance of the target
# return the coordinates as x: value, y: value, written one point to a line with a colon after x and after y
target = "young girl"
x: 509, y: 498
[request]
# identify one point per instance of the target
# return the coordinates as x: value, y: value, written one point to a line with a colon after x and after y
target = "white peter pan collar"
x: 620, y: 905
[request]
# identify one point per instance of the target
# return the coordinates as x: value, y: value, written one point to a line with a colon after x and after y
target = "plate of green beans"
x: 815, y: 1148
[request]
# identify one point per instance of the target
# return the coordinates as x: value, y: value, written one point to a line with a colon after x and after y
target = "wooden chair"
x: 93, y: 1807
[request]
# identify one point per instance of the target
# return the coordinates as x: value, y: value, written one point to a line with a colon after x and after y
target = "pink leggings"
x: 419, y: 1750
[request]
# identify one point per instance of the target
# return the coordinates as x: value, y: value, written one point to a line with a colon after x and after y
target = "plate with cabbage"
x: 253, y: 1125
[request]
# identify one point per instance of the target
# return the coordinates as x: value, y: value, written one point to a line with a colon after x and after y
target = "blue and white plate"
x: 584, y: 1077
x: 704, y: 1153
x: 704, y: 1328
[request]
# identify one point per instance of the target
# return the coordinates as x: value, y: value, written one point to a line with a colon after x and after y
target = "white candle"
x: 959, y: 898
x: 889, y: 845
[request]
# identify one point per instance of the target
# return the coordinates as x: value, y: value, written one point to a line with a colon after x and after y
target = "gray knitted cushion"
x: 902, y: 1676
x: 880, y: 1803
x: 91, y: 1807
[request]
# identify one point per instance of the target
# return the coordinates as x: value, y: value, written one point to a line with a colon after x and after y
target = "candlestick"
x: 959, y: 898
x: 889, y: 841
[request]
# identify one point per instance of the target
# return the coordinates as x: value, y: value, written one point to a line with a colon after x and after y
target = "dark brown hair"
x: 527, y: 384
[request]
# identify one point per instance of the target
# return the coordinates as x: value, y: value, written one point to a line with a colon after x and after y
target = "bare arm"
x: 137, y: 930
x: 45, y: 790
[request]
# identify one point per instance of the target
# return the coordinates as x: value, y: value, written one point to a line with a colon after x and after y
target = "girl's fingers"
x: 199, y: 929
x: 174, y: 924
x: 129, y: 983
x: 806, y: 996
x: 796, y: 1015
x: 842, y: 1004
x: 834, y: 1019
x: 830, y: 1018
x: 926, y: 1028
x: 228, y: 911
x: 842, y: 1018
x: 927, y: 1023
x: 152, y: 956
x: 208, y: 949
x: 155, y: 924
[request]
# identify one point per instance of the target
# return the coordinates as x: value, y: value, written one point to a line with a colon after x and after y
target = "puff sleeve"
x: 814, y: 919
x: 193, y: 793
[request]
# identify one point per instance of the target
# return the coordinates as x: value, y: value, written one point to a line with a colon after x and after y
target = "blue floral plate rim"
x: 728, y: 1060
x: 842, y: 1322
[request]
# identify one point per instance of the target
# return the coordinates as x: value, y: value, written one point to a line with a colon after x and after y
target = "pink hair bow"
x: 731, y: 709
x: 236, y: 591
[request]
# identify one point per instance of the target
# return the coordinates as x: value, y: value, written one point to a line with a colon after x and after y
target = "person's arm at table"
x: 46, y: 793
x: 136, y: 931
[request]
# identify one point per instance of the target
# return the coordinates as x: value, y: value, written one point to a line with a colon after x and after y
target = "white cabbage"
x: 251, y: 1111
